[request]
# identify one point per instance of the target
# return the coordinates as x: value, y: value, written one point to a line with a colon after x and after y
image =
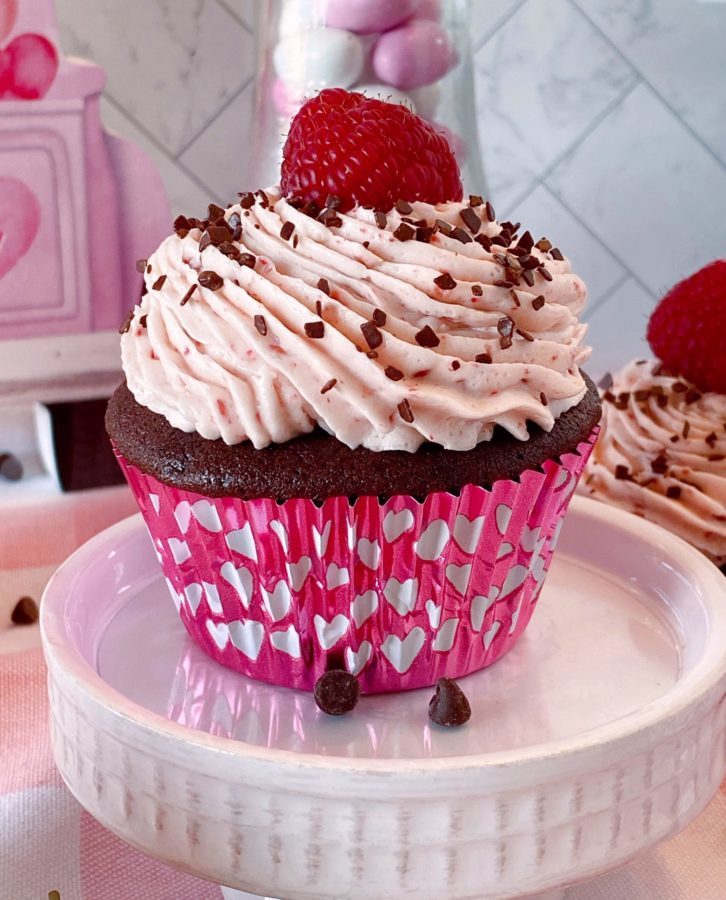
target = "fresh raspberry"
x: 688, y: 328
x: 367, y: 153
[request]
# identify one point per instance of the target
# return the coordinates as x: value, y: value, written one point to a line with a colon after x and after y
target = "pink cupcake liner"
x: 400, y: 593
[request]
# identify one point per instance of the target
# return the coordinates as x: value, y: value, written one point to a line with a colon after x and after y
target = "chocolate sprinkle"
x: 287, y: 230
x: 141, y: 265
x: 159, y: 283
x: 379, y: 317
x: 528, y: 276
x: 483, y: 358
x: 543, y: 398
x: 538, y: 302
x: 393, y: 373
x: 403, y: 207
x: 314, y: 329
x: 25, y: 612
x: 261, y: 325
x: 405, y: 411
x: 490, y: 211
x: 229, y: 250
x: 449, y: 707
x: 525, y: 334
x: 380, y: 217
x: 324, y: 286
x: 210, y: 280
x: 188, y: 296
x: 328, y: 386
x: 659, y: 465
x: 336, y: 692
x: 471, y: 219
x: 686, y: 428
x: 545, y: 273
x: 427, y: 337
x: 404, y: 232
x: 445, y: 282
x: 556, y: 253
x: 373, y: 336
x: 143, y: 320
x: 711, y: 439
x: 126, y: 324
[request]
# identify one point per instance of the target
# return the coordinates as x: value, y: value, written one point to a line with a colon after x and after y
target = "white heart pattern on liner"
x: 281, y: 532
x: 183, y: 515
x: 277, y: 602
x: 155, y: 502
x: 242, y: 541
x: 402, y: 653
x: 395, y: 524
x: 459, y: 576
x: 444, y: 640
x: 528, y: 538
x: 356, y: 661
x: 402, y: 595
x: 247, y: 637
x: 369, y: 552
x: 491, y: 634
x: 321, y: 538
x: 562, y: 477
x: 538, y: 568
x: 433, y: 540
x: 480, y: 606
x: 467, y: 532
x: 516, y: 577
x: 193, y: 594
x: 212, y: 595
x: 219, y: 632
x: 207, y: 515
x: 329, y: 633
x: 287, y: 641
x: 175, y: 595
x: 363, y: 607
x: 336, y: 576
x: 556, y: 534
x: 434, y: 613
x: 298, y: 572
x: 240, y: 579
x: 504, y: 550
x: 515, y: 618
x: 179, y: 550
x: 502, y: 515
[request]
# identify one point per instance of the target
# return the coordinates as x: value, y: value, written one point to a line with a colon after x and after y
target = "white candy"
x: 426, y: 100
x: 298, y: 15
x: 319, y: 58
x: 387, y: 93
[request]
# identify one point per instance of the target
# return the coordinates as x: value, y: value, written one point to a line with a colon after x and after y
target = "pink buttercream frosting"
x: 238, y: 363
x: 664, y: 459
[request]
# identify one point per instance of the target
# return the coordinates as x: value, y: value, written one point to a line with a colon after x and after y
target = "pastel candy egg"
x: 298, y: 15
x: 413, y: 55
x: 426, y: 100
x: 369, y: 16
x: 387, y: 93
x: 429, y: 9
x: 318, y: 58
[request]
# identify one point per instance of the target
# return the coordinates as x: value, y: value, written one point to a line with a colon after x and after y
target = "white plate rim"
x: 706, y: 680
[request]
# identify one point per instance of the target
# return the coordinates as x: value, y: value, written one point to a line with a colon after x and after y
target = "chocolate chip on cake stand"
x: 336, y: 692
x: 449, y: 706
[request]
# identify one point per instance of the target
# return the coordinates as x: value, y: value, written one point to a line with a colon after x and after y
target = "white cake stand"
x: 599, y: 735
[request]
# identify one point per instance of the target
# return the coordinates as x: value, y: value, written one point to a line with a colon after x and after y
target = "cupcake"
x: 662, y: 453
x: 353, y: 414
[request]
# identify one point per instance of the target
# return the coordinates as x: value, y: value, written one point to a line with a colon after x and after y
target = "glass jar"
x: 415, y: 52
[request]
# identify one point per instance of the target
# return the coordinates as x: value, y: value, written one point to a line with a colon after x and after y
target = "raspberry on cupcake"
x: 662, y: 452
x: 354, y: 414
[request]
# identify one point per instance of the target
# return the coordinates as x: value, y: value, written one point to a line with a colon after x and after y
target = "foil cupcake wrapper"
x: 400, y: 592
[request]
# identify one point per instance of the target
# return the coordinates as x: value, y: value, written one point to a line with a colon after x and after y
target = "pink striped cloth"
x: 48, y: 842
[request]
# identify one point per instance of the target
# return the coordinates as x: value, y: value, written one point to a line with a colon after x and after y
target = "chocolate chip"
x: 287, y: 230
x: 445, y: 282
x: 543, y: 398
x: 328, y: 386
x: 25, y: 612
x: 505, y: 327
x: 692, y: 396
x: 336, y: 692
x: 159, y: 283
x: 555, y: 253
x: 403, y: 207
x: 380, y: 217
x: 405, y: 411
x: 477, y: 290
x: 711, y: 439
x: 264, y: 199
x: 471, y: 219
x: 484, y: 240
x: 142, y: 321
x: 215, y: 212
x: 261, y: 325
x: 11, y: 469
x: 424, y: 234
x: 449, y: 706
x: 456, y: 365
x: 333, y: 201
x: 659, y: 465
x: 475, y: 200
x: 188, y: 296
x: 141, y: 265
x: 427, y: 337
x: 216, y: 235
x: 543, y: 245
x: 538, y: 302
x: 235, y: 224
x: 210, y: 280
x: 490, y: 211
x: 324, y: 286
x: 622, y: 473
x: 545, y: 273
x: 673, y: 492
x: 404, y: 232
x: 443, y: 226
x: 525, y: 334
x: 379, y: 317
x: 314, y: 329
x: 501, y: 282
x: 248, y: 260
x: 526, y: 242
x: 393, y: 373
x: 126, y: 324
x: 182, y: 226
x: 483, y: 358
x: 310, y: 209
x: 246, y: 200
x: 606, y: 382
x: 373, y: 336
x: 528, y: 277
x: 458, y: 234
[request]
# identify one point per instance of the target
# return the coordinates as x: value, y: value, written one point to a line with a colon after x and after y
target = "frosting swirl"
x: 662, y: 455
x: 382, y: 331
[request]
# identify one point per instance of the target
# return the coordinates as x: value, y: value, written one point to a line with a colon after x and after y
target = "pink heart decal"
x: 8, y: 15
x: 19, y: 222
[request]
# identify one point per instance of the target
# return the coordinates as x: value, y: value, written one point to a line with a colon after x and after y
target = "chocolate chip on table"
x: 336, y: 692
x: 25, y: 612
x: 11, y: 469
x: 449, y: 706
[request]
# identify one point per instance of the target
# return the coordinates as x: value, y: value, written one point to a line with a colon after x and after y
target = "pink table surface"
x: 48, y: 842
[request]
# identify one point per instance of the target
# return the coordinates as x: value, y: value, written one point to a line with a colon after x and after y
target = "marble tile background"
x: 603, y: 125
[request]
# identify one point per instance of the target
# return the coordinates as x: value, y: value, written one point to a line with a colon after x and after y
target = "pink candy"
x: 414, y: 55
x: 368, y: 16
